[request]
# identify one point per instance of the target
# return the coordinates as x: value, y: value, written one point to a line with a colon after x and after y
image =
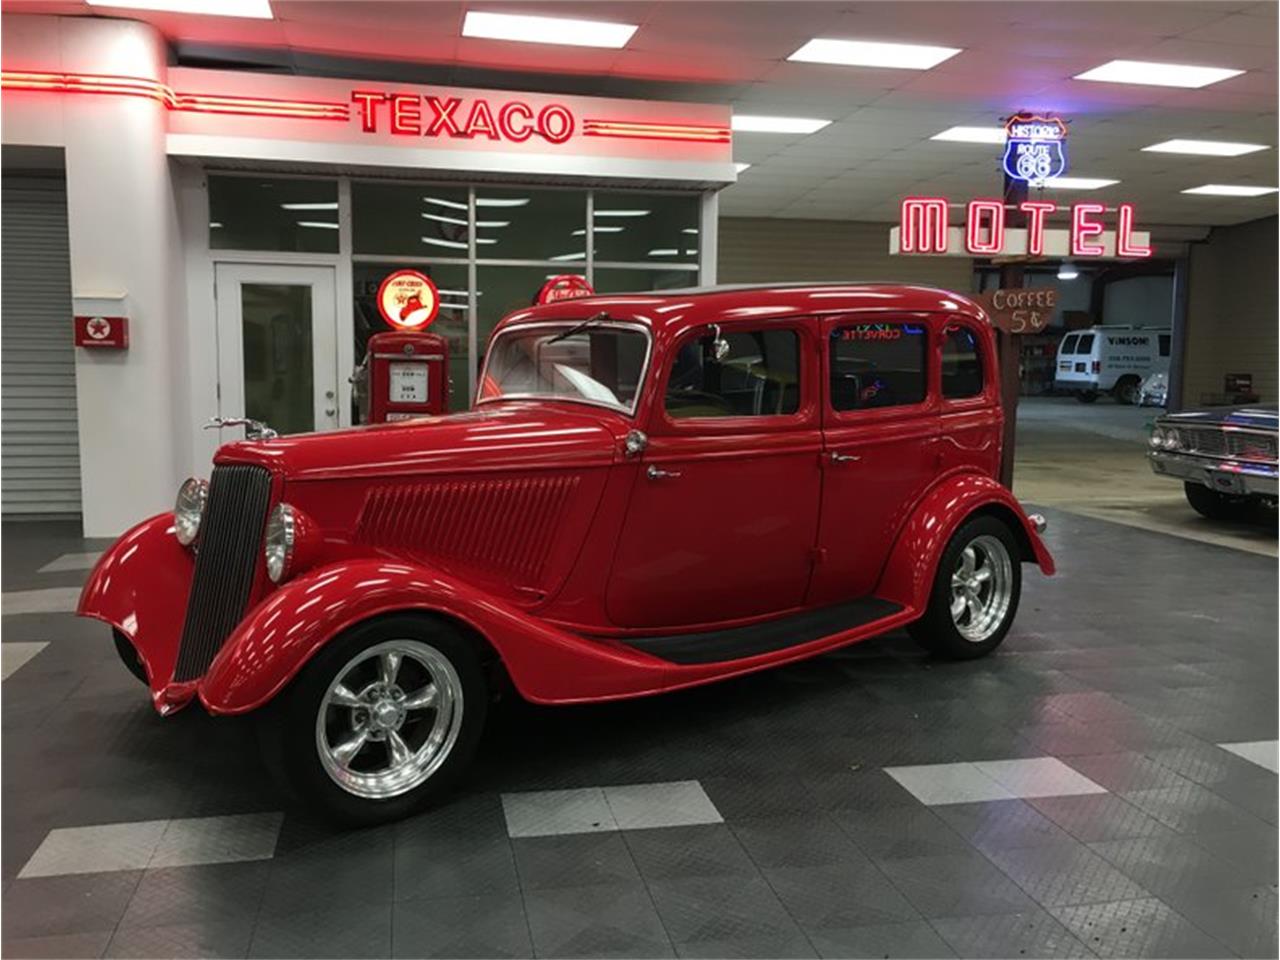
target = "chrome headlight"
x: 282, y: 534
x: 188, y: 510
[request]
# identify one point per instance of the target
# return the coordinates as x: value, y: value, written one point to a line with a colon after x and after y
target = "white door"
x: 277, y: 345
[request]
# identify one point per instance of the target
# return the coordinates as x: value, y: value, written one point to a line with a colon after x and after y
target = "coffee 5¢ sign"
x: 408, y: 300
x: 1020, y: 310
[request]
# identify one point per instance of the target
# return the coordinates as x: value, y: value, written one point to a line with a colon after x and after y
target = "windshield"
x: 601, y: 364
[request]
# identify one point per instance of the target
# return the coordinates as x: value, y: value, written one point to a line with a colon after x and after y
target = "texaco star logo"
x: 98, y: 327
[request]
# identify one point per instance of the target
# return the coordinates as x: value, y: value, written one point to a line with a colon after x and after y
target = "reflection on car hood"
x: 517, y: 435
x: 1258, y: 416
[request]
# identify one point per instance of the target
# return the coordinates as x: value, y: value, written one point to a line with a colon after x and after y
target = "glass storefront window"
x: 625, y: 280
x: 503, y: 290
x: 451, y: 323
x: 409, y: 219
x: 646, y: 227
x: 528, y: 224
x: 271, y: 213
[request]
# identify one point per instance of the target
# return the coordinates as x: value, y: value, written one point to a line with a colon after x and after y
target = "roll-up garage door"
x: 40, y: 466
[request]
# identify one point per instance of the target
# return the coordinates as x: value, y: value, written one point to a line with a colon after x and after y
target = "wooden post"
x: 1011, y: 277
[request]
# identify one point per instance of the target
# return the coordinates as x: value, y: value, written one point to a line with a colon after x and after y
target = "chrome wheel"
x: 981, y: 588
x: 389, y: 719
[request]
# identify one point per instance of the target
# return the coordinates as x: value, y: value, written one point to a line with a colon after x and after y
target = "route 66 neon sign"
x: 1035, y: 148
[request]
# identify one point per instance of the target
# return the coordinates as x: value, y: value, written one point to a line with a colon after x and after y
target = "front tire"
x: 1218, y: 506
x: 1086, y: 396
x: 975, y: 592
x: 381, y: 722
x: 129, y: 656
x: 1126, y: 391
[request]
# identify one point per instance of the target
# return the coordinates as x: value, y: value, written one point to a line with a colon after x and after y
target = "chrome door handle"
x: 843, y: 457
x: 657, y: 473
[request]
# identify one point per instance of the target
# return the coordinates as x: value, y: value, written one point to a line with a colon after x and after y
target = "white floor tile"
x: 71, y: 561
x: 50, y: 600
x: 938, y: 783
x: 1038, y: 777
x: 547, y: 813
x: 644, y: 805
x: 155, y: 843
x: 14, y: 656
x: 1265, y: 753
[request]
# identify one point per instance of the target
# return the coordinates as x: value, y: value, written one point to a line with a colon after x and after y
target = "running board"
x: 770, y: 636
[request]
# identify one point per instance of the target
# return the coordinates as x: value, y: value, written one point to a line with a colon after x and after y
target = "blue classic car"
x: 1225, y: 457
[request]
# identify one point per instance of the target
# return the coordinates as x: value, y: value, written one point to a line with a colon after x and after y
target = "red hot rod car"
x: 651, y: 491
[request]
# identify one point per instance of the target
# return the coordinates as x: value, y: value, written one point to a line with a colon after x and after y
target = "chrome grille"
x: 1241, y: 444
x: 229, y: 547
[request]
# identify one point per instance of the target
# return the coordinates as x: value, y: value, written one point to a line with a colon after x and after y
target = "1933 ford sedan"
x: 651, y: 491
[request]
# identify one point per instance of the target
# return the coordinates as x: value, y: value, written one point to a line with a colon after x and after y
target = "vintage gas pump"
x: 407, y: 375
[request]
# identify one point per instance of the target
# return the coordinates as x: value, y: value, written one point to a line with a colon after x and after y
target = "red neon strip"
x: 645, y: 130
x: 185, y: 102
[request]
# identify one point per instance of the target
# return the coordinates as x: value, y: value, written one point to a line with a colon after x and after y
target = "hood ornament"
x: 253, y: 429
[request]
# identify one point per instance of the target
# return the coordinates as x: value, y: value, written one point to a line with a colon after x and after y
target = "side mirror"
x: 719, y: 345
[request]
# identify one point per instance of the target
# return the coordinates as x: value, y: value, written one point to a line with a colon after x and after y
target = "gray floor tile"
x: 1038, y: 777
x: 910, y: 939
x: 783, y: 946
x: 611, y: 920
x: 198, y: 840
x: 1001, y: 824
x: 1125, y: 771
x: 646, y: 805
x: 754, y: 797
x: 351, y: 868
x: 1031, y: 934
x: 1099, y: 816
x: 1168, y: 866
x: 1262, y: 752
x: 839, y: 895
x: 1242, y: 919
x: 13, y: 656
x: 949, y: 783
x: 184, y: 896
x: 1192, y: 809
x: 894, y: 833
x: 1253, y: 852
x: 71, y: 561
x: 48, y: 600
x: 1066, y: 873
x: 709, y: 909
x: 547, y: 813
x: 796, y: 842
x: 428, y: 870
x: 479, y: 927
x: 363, y: 931
x: 229, y: 939
x: 671, y: 853
x: 573, y: 860
x: 69, y: 946
x: 956, y: 885
x: 858, y: 790
x: 1137, y: 928
x: 79, y: 903
x: 96, y: 849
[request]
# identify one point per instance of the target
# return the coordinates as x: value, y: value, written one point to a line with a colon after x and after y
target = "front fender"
x: 908, y: 574
x: 278, y: 638
x: 139, y: 586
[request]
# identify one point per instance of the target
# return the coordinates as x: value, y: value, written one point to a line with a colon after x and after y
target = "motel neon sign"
x: 925, y: 228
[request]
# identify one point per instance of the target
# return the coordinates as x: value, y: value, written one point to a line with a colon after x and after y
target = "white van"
x: 1110, y: 359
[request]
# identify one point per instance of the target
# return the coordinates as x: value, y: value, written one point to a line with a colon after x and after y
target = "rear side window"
x: 877, y: 365
x: 961, y: 363
x: 1069, y: 344
x: 1086, y: 343
x: 759, y: 376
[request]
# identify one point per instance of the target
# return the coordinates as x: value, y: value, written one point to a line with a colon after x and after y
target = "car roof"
x: 687, y: 306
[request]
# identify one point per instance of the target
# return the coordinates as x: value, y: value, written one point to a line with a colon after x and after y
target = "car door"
x: 722, y: 517
x: 880, y: 429
x: 969, y: 412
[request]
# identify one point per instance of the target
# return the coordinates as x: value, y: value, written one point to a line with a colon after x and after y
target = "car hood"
x: 1258, y: 416
x: 513, y: 435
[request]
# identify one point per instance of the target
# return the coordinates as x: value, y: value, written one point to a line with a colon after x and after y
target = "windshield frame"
x: 568, y: 324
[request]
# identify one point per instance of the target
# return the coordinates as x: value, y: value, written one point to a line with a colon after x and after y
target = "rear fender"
x: 139, y: 586
x: 278, y: 638
x: 913, y: 562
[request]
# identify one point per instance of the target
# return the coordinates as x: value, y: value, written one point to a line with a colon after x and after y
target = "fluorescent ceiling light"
x: 441, y: 202
x: 1229, y: 190
x: 621, y: 213
x: 665, y: 252
x: 455, y: 293
x: 308, y: 206
x: 1075, y: 183
x: 462, y: 223
x: 971, y: 135
x: 866, y: 53
x: 1067, y: 271
x: 583, y: 231
x: 692, y: 230
x: 440, y: 242
x: 1206, y: 148
x: 739, y: 167
x: 749, y: 123
x: 499, y: 202
x: 1157, y: 74
x: 561, y: 30
x: 258, y: 9
x: 571, y: 256
x: 214, y: 225
x: 318, y: 224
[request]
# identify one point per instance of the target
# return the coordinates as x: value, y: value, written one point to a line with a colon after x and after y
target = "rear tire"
x: 1086, y: 396
x: 381, y: 722
x: 1127, y: 390
x: 129, y: 656
x: 1218, y: 506
x: 975, y: 592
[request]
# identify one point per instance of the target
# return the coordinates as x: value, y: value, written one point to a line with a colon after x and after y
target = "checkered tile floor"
x: 1104, y: 786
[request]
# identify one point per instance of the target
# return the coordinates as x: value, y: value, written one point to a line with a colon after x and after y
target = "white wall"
x: 1140, y: 301
x: 123, y: 232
